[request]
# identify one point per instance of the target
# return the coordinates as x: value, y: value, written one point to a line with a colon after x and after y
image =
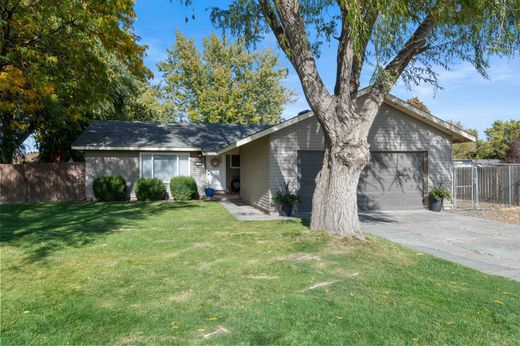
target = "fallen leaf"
x: 201, y: 329
x: 213, y: 318
x: 450, y: 322
x: 339, y: 317
x: 499, y: 302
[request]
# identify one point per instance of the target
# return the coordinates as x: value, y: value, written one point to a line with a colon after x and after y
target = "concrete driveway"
x: 489, y: 246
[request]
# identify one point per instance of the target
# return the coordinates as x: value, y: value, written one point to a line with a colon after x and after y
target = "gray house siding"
x: 254, y: 174
x: 392, y: 130
x: 126, y: 164
x: 100, y: 163
x: 198, y: 171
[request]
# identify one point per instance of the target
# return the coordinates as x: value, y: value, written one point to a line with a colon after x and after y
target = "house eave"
x: 106, y: 148
x: 266, y: 132
x: 457, y: 135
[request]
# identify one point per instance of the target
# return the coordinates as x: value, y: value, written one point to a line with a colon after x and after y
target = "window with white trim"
x: 234, y: 161
x: 164, y: 166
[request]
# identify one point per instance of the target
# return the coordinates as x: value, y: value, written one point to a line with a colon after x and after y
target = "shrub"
x: 440, y: 193
x: 149, y: 189
x: 286, y: 197
x: 183, y: 188
x: 110, y: 188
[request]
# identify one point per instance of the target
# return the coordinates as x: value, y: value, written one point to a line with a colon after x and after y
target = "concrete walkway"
x: 489, y: 246
x: 244, y: 212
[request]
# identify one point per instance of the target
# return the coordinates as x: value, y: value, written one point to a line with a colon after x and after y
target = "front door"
x: 216, y: 172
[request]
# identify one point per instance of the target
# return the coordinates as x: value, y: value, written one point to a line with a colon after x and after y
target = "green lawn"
x: 150, y: 273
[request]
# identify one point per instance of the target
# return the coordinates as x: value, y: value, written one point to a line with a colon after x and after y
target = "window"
x: 164, y: 166
x: 234, y: 161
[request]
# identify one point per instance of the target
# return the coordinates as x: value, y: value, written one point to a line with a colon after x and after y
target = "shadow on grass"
x: 41, y: 229
x: 367, y: 217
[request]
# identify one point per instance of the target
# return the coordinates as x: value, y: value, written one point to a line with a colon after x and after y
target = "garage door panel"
x: 391, y: 180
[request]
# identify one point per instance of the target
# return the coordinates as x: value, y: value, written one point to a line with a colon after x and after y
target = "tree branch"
x: 345, y: 55
x: 359, y: 58
x: 275, y: 25
x: 301, y: 56
x: 386, y: 79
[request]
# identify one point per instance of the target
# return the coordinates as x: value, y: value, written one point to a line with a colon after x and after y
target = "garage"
x: 391, y: 180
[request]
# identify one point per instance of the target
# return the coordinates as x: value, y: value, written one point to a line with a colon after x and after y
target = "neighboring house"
x: 25, y: 158
x: 410, y: 153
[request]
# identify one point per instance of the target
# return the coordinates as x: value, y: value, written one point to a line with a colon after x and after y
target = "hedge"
x: 110, y: 188
x: 183, y: 188
x: 149, y: 189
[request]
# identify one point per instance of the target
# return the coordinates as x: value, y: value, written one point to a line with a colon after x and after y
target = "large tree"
x: 63, y: 62
x: 399, y: 39
x: 224, y: 83
x: 499, y: 137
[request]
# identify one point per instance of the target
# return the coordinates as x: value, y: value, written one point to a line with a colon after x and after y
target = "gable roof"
x: 149, y: 136
x: 214, y: 139
x: 457, y: 135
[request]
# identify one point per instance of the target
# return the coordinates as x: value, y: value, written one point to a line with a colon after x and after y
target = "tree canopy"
x: 499, y: 141
x: 468, y: 150
x: 499, y: 137
x: 62, y: 63
x: 513, y: 154
x: 223, y: 83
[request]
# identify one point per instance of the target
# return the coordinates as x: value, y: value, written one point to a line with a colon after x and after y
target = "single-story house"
x: 410, y: 154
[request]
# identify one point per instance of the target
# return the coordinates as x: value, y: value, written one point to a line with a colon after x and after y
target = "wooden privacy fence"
x: 486, y: 183
x: 42, y: 182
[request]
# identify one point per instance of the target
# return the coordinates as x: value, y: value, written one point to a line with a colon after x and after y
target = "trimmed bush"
x: 183, y: 188
x: 110, y: 188
x: 149, y: 189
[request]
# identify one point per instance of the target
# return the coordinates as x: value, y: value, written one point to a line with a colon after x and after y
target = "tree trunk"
x: 334, y: 203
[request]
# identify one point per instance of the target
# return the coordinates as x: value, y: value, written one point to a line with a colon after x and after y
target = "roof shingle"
x: 142, y: 135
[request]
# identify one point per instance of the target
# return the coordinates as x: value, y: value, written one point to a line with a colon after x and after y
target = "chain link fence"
x: 476, y: 185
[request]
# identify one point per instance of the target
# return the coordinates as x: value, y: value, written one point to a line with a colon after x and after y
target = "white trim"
x: 266, y: 132
x: 457, y: 134
x: 177, y: 154
x: 88, y: 147
x: 231, y: 161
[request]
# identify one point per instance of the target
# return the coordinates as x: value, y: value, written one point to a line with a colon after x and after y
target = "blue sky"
x: 465, y: 96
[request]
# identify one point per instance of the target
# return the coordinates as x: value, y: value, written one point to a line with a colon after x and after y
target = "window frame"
x: 176, y: 154
x: 231, y: 160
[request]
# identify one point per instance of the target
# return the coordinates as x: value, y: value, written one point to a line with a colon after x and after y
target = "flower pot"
x: 434, y: 204
x: 286, y: 209
x: 209, y: 192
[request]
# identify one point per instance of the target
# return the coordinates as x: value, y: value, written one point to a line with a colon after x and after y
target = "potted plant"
x: 436, y: 198
x: 286, y: 200
x: 209, y: 191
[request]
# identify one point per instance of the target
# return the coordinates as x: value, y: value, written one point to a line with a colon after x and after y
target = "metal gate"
x: 476, y: 184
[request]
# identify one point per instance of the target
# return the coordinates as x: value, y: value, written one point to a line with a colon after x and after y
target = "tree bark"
x: 334, y: 203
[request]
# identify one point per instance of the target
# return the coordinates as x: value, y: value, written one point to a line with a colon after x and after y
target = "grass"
x: 156, y: 273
